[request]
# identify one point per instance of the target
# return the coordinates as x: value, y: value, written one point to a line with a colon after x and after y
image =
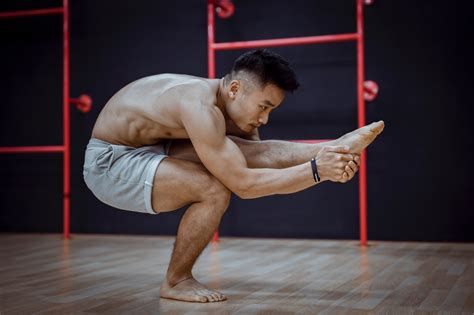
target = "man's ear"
x: 234, y: 87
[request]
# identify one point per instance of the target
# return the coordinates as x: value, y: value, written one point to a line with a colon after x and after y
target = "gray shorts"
x: 122, y: 176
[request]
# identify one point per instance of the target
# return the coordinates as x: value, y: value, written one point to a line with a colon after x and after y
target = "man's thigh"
x: 180, y: 182
x: 183, y: 149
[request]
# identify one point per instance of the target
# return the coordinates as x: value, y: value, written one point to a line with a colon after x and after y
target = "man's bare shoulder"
x: 192, y: 95
x: 169, y: 86
x: 200, y: 117
x: 186, y: 89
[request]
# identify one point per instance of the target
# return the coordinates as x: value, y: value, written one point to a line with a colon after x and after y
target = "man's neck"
x: 221, y: 98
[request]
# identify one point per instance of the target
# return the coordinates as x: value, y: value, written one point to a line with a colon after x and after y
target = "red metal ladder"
x: 365, y: 90
x: 83, y: 103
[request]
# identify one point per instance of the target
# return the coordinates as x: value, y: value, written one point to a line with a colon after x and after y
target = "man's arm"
x: 205, y: 126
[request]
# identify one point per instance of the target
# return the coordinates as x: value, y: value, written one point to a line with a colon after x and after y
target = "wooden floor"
x: 43, y: 274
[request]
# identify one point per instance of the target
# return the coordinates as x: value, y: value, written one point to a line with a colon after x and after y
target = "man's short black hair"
x: 268, y: 67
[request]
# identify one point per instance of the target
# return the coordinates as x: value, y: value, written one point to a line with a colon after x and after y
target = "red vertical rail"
x: 66, y: 126
x: 83, y: 103
x: 210, y: 41
x: 361, y: 123
x: 211, y: 63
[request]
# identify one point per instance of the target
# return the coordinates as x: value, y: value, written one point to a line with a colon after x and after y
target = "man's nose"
x: 263, y: 119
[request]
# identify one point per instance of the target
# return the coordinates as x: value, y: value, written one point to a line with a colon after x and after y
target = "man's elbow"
x: 244, y: 191
x: 243, y: 195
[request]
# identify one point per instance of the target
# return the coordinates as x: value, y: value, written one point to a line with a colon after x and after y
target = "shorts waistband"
x: 97, y: 143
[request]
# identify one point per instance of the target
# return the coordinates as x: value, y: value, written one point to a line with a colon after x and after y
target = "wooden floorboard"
x: 102, y: 274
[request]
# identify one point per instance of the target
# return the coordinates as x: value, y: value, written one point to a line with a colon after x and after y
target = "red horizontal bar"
x: 5, y: 15
x: 292, y: 41
x: 42, y: 149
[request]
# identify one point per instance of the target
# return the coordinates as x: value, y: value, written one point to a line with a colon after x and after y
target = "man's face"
x: 252, y: 105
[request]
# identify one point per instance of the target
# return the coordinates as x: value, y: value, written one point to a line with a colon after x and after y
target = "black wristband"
x: 316, y: 177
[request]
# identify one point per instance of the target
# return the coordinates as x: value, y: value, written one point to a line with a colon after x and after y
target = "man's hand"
x: 351, y: 168
x: 336, y: 163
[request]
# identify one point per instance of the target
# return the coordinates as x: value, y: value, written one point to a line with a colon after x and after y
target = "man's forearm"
x: 264, y: 182
x: 330, y: 164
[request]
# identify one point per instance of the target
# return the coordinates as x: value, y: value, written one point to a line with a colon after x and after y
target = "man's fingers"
x: 349, y: 171
x: 357, y: 159
x: 347, y: 157
x: 353, y: 166
x: 345, y: 177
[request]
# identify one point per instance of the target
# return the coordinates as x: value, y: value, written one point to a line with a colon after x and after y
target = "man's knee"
x: 216, y: 193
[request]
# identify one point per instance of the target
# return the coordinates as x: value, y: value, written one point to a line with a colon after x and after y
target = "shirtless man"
x: 131, y: 163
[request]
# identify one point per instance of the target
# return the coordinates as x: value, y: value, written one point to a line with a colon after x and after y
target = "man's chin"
x: 245, y: 128
x: 250, y: 128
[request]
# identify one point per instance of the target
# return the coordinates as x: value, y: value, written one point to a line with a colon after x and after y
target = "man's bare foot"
x: 359, y: 139
x: 190, y: 290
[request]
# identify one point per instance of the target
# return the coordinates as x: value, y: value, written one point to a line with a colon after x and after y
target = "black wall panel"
x: 419, y: 171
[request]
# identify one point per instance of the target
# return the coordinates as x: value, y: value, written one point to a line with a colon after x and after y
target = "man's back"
x: 146, y: 111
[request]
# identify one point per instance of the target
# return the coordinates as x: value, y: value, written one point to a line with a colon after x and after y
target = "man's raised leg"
x: 282, y: 154
x: 178, y: 183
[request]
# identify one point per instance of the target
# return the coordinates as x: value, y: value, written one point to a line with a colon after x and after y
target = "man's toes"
x: 207, y: 294
x: 215, y: 296
x: 378, y: 126
x: 201, y: 298
x: 210, y: 298
x: 219, y: 295
x: 222, y: 297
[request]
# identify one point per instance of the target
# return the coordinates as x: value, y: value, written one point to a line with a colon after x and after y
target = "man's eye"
x: 262, y: 108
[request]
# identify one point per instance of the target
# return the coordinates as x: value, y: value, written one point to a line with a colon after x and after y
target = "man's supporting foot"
x: 177, y: 183
x: 190, y: 290
x: 360, y: 138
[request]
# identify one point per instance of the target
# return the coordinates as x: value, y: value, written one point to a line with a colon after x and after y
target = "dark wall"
x: 419, y: 170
